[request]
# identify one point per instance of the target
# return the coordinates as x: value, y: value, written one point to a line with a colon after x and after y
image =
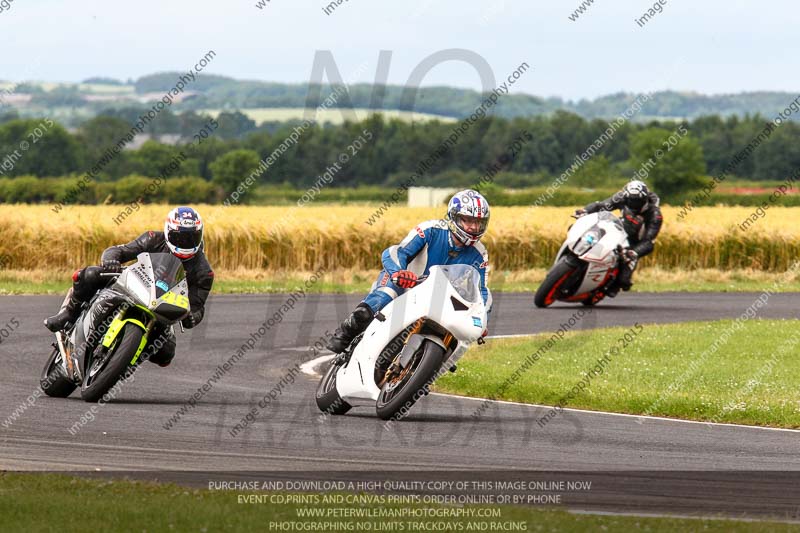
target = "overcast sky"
x: 708, y: 46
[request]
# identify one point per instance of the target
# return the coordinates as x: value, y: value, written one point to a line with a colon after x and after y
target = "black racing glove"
x: 191, y: 320
x: 112, y: 265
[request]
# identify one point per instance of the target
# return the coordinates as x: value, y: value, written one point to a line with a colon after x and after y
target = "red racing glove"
x: 404, y: 278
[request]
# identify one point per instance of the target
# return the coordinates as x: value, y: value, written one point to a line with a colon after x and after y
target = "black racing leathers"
x: 199, y: 276
x: 642, y: 228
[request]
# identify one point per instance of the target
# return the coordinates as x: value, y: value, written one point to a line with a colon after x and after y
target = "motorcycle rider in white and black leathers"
x: 641, y: 218
x: 182, y: 237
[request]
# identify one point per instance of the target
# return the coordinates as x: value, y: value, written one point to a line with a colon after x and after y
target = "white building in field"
x: 429, y: 196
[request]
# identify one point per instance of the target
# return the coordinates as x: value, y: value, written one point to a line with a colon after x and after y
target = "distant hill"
x: 224, y: 92
x: 74, y: 103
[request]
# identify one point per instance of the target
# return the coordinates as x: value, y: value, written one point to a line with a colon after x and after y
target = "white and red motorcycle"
x: 587, y: 263
x: 412, y: 341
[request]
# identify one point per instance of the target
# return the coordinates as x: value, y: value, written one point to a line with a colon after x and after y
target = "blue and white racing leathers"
x: 430, y: 243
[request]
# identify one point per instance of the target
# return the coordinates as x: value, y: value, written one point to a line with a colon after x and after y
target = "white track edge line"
x: 627, y: 415
x: 310, y: 369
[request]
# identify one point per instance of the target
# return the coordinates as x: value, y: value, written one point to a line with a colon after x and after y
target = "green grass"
x: 746, y: 285
x: 24, y: 282
x: 220, y: 287
x: 8, y: 287
x: 47, y: 502
x: 289, y: 285
x: 54, y: 284
x: 653, y: 374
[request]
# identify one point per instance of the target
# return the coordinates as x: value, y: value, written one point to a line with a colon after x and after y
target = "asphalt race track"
x: 670, y: 466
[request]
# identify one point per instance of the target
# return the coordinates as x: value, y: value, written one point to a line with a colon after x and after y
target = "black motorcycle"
x: 111, y: 336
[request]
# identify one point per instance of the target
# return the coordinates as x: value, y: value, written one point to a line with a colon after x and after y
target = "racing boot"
x: 613, y: 290
x: 162, y: 347
x: 356, y: 323
x: 625, y: 275
x: 69, y: 312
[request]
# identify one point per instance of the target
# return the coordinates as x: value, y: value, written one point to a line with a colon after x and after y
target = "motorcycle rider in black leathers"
x: 641, y: 218
x: 182, y: 237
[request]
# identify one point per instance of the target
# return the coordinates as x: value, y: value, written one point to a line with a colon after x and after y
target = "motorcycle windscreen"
x: 608, y: 216
x: 168, y: 271
x: 465, y: 279
x: 171, y: 303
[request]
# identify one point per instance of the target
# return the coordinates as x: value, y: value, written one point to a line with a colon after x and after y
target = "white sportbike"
x: 587, y: 263
x: 412, y: 341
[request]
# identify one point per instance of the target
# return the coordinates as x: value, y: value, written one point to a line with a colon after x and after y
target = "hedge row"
x: 29, y: 189
x: 33, y: 190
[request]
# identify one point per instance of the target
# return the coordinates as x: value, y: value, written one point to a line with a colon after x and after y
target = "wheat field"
x: 334, y: 116
x: 337, y: 237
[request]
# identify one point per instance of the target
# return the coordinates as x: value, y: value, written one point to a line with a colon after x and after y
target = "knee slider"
x: 91, y: 275
x: 363, y: 315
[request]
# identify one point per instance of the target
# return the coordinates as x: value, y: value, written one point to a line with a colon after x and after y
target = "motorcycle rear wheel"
x: 54, y: 381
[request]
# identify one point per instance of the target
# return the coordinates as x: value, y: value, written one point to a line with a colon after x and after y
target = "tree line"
x: 396, y: 148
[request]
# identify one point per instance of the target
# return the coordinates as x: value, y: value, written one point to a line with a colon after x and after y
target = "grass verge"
x: 50, y: 502
x: 359, y: 281
x: 706, y: 371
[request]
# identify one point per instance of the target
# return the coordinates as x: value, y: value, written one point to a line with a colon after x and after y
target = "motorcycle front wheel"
x: 328, y: 399
x: 104, y: 372
x: 549, y: 291
x: 403, y: 390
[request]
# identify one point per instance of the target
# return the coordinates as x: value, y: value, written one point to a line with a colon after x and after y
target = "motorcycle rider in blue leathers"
x: 454, y: 240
